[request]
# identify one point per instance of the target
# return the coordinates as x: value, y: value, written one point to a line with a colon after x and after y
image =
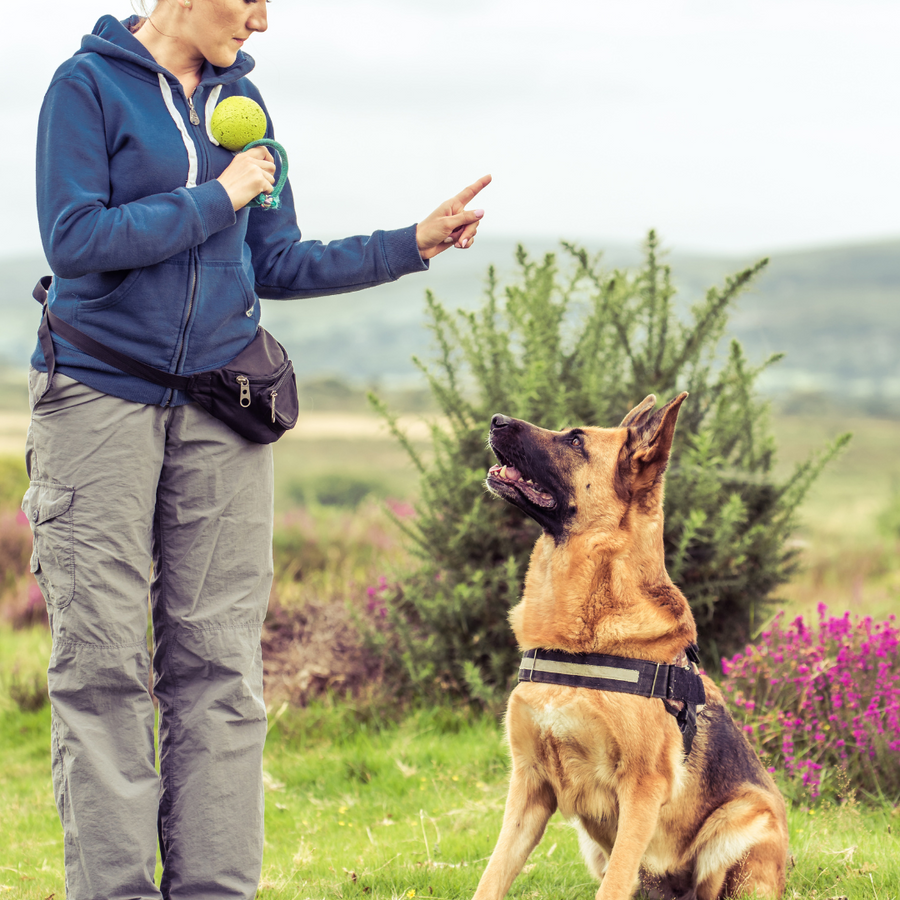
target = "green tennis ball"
x: 237, y: 121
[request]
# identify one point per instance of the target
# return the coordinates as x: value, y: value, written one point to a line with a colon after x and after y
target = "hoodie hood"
x: 113, y: 39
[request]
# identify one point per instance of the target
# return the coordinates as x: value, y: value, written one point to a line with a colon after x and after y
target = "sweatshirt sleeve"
x: 80, y: 231
x: 287, y: 267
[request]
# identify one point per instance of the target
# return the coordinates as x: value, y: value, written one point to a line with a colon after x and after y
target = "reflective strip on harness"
x: 585, y: 671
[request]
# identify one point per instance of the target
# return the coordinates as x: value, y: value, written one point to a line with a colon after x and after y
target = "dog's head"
x: 576, y: 479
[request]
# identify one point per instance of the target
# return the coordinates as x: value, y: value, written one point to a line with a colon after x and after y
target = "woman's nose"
x: 259, y: 20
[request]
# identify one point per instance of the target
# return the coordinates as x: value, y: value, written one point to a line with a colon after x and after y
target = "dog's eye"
x: 576, y: 441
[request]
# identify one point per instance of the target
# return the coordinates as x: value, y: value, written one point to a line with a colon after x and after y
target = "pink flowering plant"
x: 822, y: 704
x: 377, y: 597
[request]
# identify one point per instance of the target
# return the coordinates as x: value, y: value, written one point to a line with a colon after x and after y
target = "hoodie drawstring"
x: 185, y: 134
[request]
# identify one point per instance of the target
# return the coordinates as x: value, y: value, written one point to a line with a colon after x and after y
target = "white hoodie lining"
x: 211, y: 102
x: 185, y: 134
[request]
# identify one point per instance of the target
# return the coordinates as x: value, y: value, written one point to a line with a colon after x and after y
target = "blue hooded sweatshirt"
x: 148, y: 254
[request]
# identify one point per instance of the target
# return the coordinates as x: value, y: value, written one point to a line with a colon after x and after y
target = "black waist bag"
x: 255, y: 394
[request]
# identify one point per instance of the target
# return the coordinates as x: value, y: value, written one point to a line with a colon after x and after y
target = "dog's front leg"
x: 639, y: 804
x: 529, y: 806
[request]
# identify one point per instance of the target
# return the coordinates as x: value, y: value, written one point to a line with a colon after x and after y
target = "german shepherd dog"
x: 653, y: 813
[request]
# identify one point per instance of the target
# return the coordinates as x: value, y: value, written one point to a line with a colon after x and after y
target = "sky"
x: 727, y: 126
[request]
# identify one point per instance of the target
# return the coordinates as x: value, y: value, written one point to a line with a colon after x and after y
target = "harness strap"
x: 619, y: 674
x: 622, y: 675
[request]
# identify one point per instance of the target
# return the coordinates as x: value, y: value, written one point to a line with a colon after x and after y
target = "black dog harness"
x: 680, y: 687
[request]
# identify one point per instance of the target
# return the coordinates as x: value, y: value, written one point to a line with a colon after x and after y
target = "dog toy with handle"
x: 239, y: 123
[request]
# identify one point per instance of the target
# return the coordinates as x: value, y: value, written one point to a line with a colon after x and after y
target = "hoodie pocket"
x: 94, y: 297
x: 49, y: 510
x: 231, y: 282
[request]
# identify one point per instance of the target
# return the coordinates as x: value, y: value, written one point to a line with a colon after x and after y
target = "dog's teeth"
x: 503, y: 472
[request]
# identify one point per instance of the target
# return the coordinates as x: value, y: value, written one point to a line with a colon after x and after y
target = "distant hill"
x: 834, y: 311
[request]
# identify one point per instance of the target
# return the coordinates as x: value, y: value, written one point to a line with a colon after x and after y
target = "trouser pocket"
x: 48, y: 506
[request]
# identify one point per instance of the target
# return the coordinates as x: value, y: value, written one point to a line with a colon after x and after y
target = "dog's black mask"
x: 532, y: 473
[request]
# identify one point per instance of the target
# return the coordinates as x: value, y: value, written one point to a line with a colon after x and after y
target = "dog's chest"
x: 569, y: 750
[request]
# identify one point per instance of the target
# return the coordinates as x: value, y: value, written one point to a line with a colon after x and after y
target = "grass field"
x: 359, y: 809
x: 363, y: 807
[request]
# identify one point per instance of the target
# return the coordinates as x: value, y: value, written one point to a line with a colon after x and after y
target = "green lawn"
x: 357, y: 807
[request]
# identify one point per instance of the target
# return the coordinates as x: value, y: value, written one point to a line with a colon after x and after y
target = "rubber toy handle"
x: 271, y: 201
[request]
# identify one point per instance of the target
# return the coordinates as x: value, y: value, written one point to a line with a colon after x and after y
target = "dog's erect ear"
x: 641, y: 411
x: 651, y: 442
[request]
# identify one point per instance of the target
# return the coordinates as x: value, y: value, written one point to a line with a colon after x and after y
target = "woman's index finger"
x: 466, y: 195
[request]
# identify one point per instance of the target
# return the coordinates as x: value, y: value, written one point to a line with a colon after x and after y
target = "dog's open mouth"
x: 511, y: 477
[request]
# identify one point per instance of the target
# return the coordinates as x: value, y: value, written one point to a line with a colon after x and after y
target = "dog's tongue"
x: 507, y: 473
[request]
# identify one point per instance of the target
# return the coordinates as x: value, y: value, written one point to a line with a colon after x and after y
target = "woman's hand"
x: 451, y: 224
x: 249, y: 174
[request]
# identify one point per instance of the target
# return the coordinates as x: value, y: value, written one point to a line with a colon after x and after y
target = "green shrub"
x: 580, y: 345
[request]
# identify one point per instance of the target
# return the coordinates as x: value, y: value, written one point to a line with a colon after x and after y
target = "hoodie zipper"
x: 187, y: 321
x: 195, y: 119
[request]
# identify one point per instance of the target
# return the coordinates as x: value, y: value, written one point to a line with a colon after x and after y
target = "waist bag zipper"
x: 244, y: 398
x: 244, y: 382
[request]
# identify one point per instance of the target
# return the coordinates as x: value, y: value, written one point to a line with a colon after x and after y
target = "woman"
x: 145, y: 222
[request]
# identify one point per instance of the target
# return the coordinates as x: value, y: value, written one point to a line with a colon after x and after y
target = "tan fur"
x: 707, y: 827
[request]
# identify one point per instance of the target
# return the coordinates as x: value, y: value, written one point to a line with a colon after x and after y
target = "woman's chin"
x: 224, y: 58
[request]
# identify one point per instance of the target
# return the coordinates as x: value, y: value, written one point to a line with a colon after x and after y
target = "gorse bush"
x: 822, y: 703
x: 578, y: 345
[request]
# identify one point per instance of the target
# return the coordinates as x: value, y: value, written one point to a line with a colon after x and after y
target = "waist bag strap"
x: 52, y: 323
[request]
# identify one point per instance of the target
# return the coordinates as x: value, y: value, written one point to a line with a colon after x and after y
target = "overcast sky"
x: 728, y: 126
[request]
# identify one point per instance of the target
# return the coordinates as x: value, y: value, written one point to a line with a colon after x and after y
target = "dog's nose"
x: 499, y: 421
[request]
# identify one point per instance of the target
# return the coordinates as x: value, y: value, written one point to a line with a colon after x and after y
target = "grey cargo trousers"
x: 126, y: 498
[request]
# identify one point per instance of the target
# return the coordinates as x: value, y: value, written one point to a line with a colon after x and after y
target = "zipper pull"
x: 272, y: 396
x: 244, y: 382
x: 195, y: 119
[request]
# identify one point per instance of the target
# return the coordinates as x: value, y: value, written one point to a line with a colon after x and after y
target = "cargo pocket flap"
x: 44, y: 501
